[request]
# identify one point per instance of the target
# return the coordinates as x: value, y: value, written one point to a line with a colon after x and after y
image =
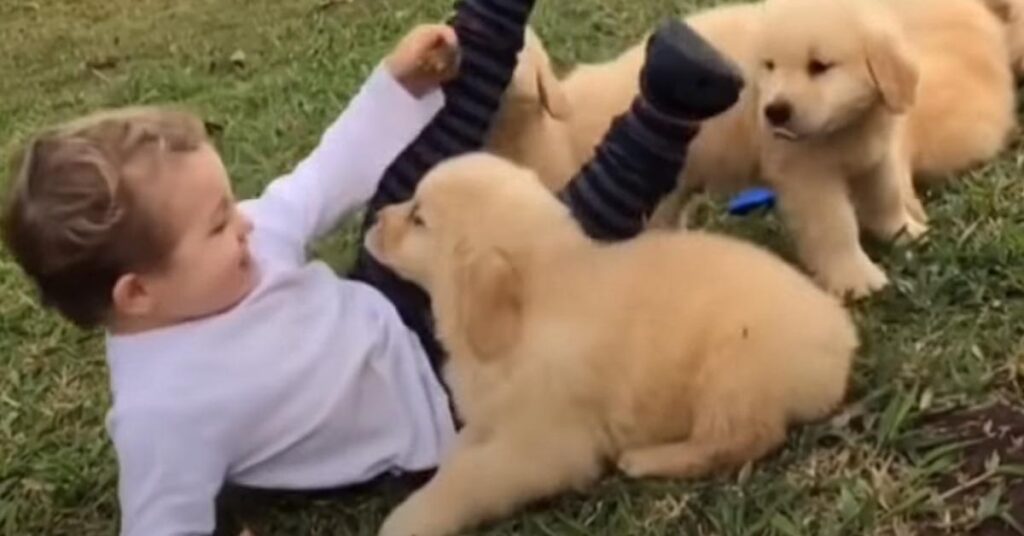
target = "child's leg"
x: 683, y: 82
x: 490, y: 33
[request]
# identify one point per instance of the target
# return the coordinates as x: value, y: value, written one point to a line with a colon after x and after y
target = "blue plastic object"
x: 750, y: 200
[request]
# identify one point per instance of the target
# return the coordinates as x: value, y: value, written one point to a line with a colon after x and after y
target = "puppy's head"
x: 827, y: 63
x: 463, y: 238
x: 534, y: 84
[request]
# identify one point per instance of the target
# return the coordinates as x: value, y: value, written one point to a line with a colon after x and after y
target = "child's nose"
x: 244, y: 225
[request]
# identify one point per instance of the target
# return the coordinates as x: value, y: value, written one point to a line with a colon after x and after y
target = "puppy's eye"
x: 818, y: 67
x: 769, y: 65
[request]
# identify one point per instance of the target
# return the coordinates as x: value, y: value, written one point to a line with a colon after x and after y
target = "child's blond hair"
x: 72, y: 219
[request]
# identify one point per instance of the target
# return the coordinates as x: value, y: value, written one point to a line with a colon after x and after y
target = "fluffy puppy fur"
x: 854, y: 97
x: 557, y: 134
x: 835, y: 82
x: 966, y: 103
x: 532, y: 124
x: 1011, y: 13
x: 670, y: 355
x: 924, y: 88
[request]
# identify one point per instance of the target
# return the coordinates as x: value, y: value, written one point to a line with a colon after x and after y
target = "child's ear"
x: 131, y: 296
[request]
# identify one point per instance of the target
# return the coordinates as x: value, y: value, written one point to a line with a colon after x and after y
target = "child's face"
x: 209, y: 269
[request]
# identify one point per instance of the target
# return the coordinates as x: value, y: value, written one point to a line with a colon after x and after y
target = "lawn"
x: 931, y: 442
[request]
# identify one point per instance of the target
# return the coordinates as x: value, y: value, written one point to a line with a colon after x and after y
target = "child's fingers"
x: 448, y: 37
x: 441, y: 56
x: 437, y: 40
x: 430, y: 36
x: 426, y: 57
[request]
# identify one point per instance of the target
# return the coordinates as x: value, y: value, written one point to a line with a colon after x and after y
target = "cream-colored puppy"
x: 966, y: 103
x: 670, y: 355
x: 532, y: 123
x: 854, y: 97
x: 924, y: 90
x: 837, y: 78
x: 553, y: 126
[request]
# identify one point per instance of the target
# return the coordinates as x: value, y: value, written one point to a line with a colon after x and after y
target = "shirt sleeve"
x: 343, y: 171
x: 168, y: 478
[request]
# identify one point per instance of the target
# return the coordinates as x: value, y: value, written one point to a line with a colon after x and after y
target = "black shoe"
x: 685, y: 77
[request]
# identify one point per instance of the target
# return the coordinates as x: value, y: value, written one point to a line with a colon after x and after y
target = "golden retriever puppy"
x: 854, y: 97
x: 531, y: 125
x: 553, y: 126
x: 670, y: 355
x: 924, y: 90
x: 966, y: 104
x: 836, y: 81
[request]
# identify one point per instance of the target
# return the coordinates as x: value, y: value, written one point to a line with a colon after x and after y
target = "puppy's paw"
x: 634, y: 464
x: 913, y: 230
x: 915, y: 209
x: 415, y: 518
x: 902, y: 228
x: 854, y: 279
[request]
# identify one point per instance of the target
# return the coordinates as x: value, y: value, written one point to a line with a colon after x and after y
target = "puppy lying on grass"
x: 670, y: 355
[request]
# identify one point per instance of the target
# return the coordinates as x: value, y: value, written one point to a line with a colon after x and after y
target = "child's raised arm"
x: 389, y: 111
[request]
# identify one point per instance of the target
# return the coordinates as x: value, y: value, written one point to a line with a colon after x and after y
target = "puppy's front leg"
x: 486, y: 480
x: 886, y: 202
x: 818, y: 210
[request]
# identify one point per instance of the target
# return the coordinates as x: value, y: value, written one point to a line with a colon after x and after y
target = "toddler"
x: 233, y: 357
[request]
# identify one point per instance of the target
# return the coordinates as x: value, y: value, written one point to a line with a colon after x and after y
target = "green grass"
x: 947, y: 335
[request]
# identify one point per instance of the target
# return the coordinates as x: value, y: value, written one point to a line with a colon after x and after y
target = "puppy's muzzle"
x: 778, y: 112
x: 382, y: 236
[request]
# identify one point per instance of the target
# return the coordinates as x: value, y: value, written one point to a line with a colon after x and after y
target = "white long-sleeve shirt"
x: 311, y: 381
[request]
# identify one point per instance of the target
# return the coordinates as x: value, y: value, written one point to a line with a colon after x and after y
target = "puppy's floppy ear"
x: 1003, y: 9
x: 893, y: 69
x: 489, y: 301
x: 552, y: 96
x: 536, y: 72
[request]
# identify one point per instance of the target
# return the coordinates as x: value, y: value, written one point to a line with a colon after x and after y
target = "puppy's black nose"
x: 778, y: 112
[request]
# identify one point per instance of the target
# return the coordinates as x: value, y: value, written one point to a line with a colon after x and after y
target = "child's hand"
x: 426, y: 57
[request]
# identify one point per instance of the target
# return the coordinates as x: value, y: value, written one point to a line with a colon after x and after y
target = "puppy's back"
x: 723, y: 156
x: 720, y: 311
x: 965, y: 102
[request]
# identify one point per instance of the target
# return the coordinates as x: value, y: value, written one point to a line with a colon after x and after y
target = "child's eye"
x: 769, y: 65
x: 219, y: 228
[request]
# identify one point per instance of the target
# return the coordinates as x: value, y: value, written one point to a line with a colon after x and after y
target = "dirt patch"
x: 997, y: 430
